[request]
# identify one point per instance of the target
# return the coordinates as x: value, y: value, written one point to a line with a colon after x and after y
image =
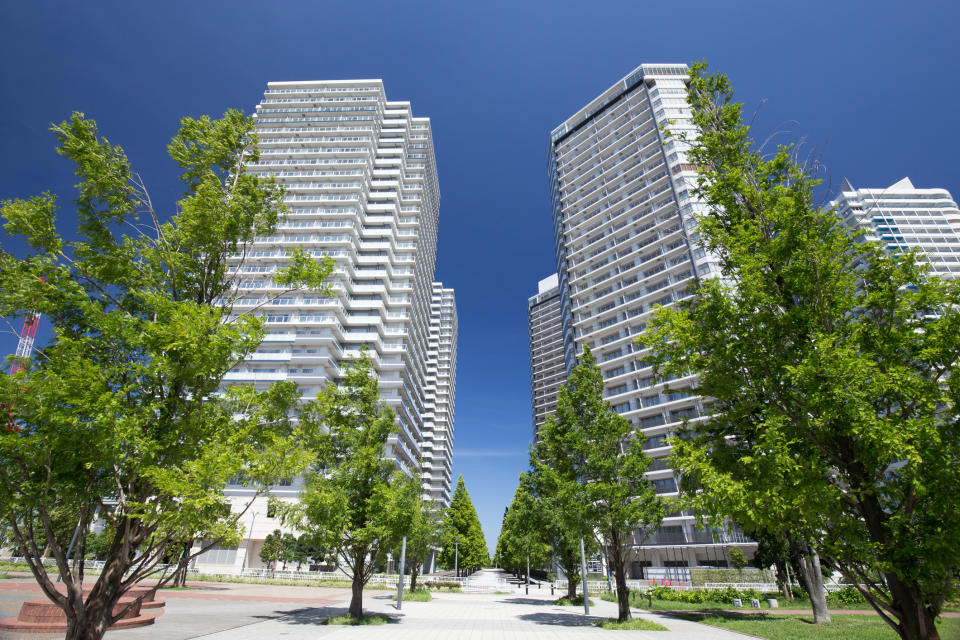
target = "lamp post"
x: 528, y: 565
x: 246, y: 553
x: 403, y: 560
x: 583, y: 572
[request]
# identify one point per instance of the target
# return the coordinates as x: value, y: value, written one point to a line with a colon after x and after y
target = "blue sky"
x: 871, y: 86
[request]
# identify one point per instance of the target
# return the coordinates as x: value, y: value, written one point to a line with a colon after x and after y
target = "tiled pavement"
x: 455, y: 616
x: 248, y: 612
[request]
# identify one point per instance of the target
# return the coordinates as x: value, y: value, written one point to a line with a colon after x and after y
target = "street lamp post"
x: 528, y: 565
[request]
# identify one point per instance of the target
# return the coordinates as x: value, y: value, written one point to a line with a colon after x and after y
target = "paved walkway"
x: 235, y: 611
x: 455, y: 616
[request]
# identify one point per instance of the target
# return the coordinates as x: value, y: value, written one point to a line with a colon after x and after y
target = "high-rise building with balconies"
x: 547, y: 370
x: 626, y: 243
x: 441, y: 394
x: 361, y: 187
x: 902, y: 217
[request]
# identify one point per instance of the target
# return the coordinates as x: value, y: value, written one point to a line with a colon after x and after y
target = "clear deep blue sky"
x: 873, y: 85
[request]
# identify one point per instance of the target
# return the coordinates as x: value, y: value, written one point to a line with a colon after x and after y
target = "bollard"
x: 551, y: 588
x: 527, y: 587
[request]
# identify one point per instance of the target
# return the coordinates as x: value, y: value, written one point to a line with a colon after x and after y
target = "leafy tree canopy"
x: 834, y: 368
x: 461, y: 530
x: 120, y: 415
x: 356, y: 501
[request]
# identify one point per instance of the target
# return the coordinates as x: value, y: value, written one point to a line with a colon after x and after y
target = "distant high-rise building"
x: 441, y: 393
x: 547, y: 370
x: 361, y: 187
x: 626, y: 243
x: 902, y: 217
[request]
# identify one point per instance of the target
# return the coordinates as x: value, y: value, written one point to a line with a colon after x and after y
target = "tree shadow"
x: 560, y: 619
x: 317, y: 615
x: 537, y: 601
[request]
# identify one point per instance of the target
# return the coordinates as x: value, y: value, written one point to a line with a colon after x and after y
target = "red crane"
x: 25, y: 346
x: 28, y: 334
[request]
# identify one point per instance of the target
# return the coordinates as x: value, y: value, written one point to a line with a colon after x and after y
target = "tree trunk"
x: 570, y: 568
x: 782, y: 580
x: 916, y: 621
x: 414, y: 571
x: 620, y: 577
x: 356, y: 596
x: 813, y: 576
x: 94, y: 618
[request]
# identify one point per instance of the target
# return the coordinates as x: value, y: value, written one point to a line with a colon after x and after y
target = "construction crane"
x: 28, y: 334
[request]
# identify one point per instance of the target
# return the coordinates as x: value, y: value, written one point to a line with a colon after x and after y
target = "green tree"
x: 521, y: 536
x: 773, y: 549
x: 599, y: 463
x: 272, y: 550
x: 120, y: 416
x: 462, y: 535
x: 423, y: 537
x: 310, y: 549
x: 834, y: 368
x: 738, y: 560
x: 560, y: 508
x: 289, y: 553
x: 356, y: 501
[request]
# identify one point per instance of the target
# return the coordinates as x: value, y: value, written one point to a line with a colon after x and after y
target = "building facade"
x: 902, y: 217
x: 361, y: 187
x: 440, y: 397
x: 547, y: 370
x: 626, y: 243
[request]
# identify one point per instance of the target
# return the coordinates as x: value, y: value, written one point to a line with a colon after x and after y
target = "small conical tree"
x: 462, y: 534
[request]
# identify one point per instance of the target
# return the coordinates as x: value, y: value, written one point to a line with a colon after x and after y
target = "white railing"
x: 743, y: 586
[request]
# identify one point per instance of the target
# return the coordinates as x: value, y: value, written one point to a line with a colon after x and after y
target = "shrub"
x: 699, y: 596
x: 846, y: 595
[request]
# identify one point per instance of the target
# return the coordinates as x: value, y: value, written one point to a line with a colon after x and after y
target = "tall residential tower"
x: 625, y: 238
x: 547, y: 371
x: 361, y: 187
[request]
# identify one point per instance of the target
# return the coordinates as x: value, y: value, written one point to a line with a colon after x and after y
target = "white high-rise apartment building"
x: 902, y: 217
x: 440, y: 397
x: 547, y: 370
x: 361, y: 187
x: 626, y: 242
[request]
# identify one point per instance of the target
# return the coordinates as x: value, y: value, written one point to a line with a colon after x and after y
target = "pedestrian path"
x: 472, y: 616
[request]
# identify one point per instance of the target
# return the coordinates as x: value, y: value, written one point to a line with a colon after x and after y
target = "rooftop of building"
x: 616, y: 90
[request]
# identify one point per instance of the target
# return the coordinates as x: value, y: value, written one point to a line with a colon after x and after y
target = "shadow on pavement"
x: 560, y: 619
x: 316, y: 615
x: 538, y: 601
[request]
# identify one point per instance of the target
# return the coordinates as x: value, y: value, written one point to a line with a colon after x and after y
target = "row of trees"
x: 832, y: 368
x: 288, y: 548
x: 122, y: 416
x: 833, y: 364
x: 462, y: 542
x: 585, y: 489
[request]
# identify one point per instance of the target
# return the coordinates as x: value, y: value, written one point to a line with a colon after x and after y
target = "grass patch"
x: 794, y: 627
x: 417, y: 595
x: 3, y: 576
x: 168, y: 588
x: 636, y: 624
x: 576, y: 601
x: 373, y: 619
